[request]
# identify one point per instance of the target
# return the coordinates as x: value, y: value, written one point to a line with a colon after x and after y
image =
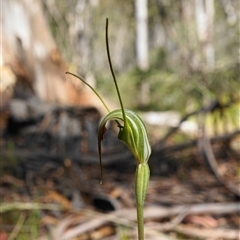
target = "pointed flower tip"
x: 103, y: 131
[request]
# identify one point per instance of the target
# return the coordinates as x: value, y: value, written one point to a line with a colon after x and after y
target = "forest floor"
x: 67, y: 202
x: 46, y: 194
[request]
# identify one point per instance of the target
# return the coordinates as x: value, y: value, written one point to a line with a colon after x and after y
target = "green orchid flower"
x: 133, y: 133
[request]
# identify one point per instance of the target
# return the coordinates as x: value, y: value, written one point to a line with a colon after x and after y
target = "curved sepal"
x: 114, y: 115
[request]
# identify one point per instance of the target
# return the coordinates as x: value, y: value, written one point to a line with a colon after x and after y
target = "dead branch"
x: 205, y: 148
x: 186, y: 145
x: 210, y: 208
x: 85, y: 159
x: 213, y: 106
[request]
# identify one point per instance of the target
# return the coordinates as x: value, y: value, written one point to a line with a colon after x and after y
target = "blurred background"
x: 177, y: 66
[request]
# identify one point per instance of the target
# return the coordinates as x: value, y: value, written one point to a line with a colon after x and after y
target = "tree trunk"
x: 142, y: 34
x: 30, y: 56
x: 204, y: 10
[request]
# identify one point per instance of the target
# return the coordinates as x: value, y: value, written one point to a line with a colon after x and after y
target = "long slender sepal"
x: 100, y: 98
x: 113, y: 75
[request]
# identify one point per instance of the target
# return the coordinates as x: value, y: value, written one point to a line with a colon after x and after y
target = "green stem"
x: 113, y: 75
x: 142, y: 179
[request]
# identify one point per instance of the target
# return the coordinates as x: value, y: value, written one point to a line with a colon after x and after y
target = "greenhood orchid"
x: 132, y: 132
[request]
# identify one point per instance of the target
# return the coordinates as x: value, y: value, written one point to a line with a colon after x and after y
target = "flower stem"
x: 141, y: 183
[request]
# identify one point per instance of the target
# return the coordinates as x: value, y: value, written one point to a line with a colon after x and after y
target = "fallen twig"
x: 5, y: 207
x: 205, y: 233
x: 155, y: 212
x: 17, y: 227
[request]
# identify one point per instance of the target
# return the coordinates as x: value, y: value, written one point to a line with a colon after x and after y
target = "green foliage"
x: 170, y: 91
x: 27, y: 221
x: 178, y: 77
